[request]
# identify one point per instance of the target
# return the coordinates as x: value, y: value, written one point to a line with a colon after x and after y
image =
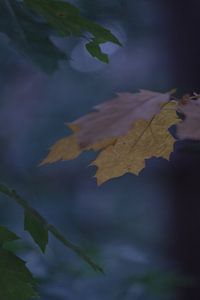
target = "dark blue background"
x: 126, y: 224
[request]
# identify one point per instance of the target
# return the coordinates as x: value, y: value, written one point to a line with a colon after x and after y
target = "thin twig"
x: 51, y: 228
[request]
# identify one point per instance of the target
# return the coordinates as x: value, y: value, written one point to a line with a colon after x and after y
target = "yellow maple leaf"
x: 148, y: 137
x: 145, y: 140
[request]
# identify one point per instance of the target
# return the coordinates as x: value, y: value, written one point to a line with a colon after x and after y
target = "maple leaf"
x: 100, y: 129
x: 149, y: 119
x: 114, y: 118
x: 189, y: 128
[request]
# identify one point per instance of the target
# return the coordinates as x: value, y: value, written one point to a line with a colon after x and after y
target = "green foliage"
x: 28, y: 36
x: 66, y: 19
x: 29, y: 25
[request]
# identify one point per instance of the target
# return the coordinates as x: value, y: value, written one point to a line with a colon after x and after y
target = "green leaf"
x: 7, y: 235
x: 29, y: 36
x: 16, y: 281
x: 36, y: 227
x: 66, y: 19
x: 95, y: 50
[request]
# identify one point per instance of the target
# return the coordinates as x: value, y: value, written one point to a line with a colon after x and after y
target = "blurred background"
x: 143, y: 230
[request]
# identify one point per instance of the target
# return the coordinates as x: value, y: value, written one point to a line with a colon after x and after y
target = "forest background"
x: 140, y: 229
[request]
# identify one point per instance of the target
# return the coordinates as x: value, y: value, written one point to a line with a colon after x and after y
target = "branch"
x: 51, y: 228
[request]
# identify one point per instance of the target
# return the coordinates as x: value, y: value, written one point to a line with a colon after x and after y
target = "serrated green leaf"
x: 7, y: 235
x: 16, y: 281
x: 66, y: 19
x: 36, y: 228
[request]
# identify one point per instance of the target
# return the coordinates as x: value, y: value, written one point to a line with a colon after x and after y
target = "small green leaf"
x: 16, y: 281
x: 36, y: 227
x: 95, y: 50
x: 7, y: 235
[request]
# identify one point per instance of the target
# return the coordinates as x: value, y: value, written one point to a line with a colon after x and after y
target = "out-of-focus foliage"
x: 66, y: 19
x: 157, y: 283
x: 15, y: 279
x: 29, y: 36
x: 30, y: 24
